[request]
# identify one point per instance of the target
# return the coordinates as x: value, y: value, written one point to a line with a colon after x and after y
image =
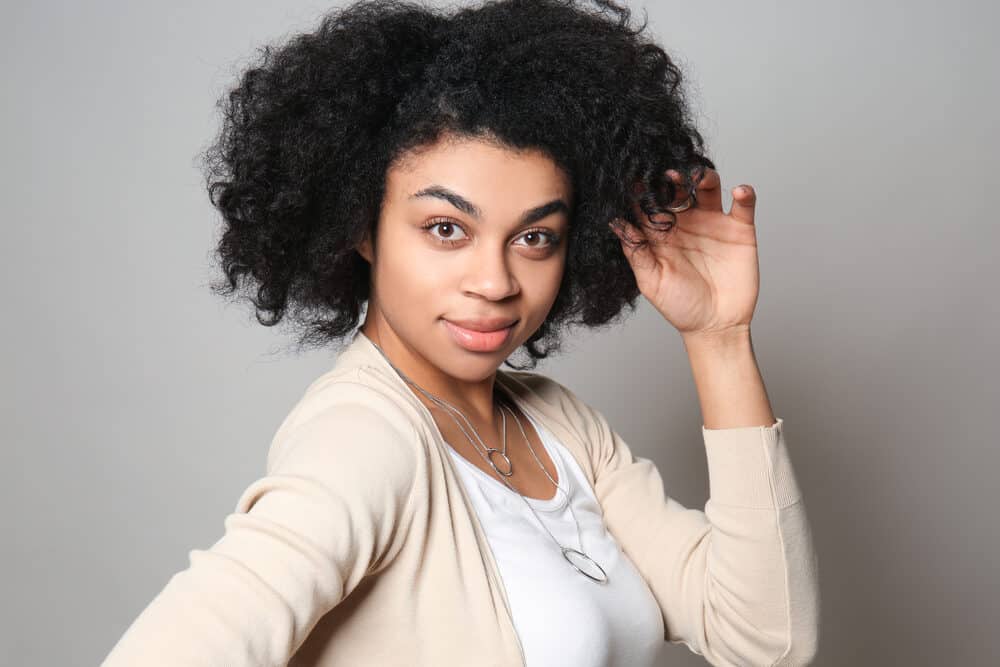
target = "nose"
x: 489, y: 276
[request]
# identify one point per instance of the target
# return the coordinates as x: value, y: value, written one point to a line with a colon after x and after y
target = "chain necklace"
x: 568, y: 553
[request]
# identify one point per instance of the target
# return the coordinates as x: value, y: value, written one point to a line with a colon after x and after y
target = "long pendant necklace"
x: 570, y: 554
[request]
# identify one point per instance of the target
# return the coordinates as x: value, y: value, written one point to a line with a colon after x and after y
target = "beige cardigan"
x: 360, y: 547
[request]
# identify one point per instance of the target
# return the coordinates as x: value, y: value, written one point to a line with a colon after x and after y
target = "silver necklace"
x: 568, y: 553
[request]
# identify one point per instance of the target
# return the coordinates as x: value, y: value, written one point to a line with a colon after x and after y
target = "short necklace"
x: 568, y: 553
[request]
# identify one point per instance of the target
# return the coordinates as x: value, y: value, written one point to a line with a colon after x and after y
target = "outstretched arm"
x: 333, y: 502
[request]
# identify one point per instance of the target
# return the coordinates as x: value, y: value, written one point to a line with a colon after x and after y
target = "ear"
x: 365, y: 249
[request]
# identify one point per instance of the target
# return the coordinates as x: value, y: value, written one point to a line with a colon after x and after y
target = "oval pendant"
x: 600, y: 579
x: 510, y: 467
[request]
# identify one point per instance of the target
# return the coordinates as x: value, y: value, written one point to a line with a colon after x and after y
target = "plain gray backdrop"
x: 137, y: 405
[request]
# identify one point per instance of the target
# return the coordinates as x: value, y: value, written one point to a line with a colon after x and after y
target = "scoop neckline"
x: 555, y: 503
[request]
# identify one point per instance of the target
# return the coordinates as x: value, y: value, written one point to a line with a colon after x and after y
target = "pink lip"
x: 479, y: 341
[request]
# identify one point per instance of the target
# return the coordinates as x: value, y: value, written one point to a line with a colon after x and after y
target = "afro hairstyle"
x: 310, y: 128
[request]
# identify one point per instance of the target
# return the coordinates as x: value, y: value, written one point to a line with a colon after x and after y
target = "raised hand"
x: 702, y: 275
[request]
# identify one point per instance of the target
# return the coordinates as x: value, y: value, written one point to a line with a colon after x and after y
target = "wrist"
x: 729, y: 382
x: 730, y: 338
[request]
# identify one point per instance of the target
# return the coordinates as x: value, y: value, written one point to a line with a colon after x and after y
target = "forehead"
x: 485, y: 172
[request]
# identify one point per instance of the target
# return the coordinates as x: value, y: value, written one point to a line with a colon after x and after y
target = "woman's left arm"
x: 730, y: 387
x: 737, y: 583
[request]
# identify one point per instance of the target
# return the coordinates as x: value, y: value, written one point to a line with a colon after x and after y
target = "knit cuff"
x: 749, y: 466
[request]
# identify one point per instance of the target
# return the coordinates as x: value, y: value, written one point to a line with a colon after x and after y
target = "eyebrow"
x: 467, y: 207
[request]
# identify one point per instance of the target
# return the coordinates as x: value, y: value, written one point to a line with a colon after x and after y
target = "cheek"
x: 551, y: 272
x: 407, y: 273
x: 540, y: 284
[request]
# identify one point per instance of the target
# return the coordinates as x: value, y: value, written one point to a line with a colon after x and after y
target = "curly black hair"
x: 310, y: 129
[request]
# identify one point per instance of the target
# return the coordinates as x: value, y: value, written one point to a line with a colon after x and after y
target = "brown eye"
x: 448, y: 229
x: 533, y: 235
x: 539, y: 238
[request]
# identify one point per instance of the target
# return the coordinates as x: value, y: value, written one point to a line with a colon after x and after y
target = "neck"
x: 482, y: 416
x: 476, y: 400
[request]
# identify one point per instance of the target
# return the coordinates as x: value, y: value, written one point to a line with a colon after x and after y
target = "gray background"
x: 137, y: 406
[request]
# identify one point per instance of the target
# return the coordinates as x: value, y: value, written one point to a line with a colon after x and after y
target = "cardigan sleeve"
x: 331, y: 507
x: 736, y: 583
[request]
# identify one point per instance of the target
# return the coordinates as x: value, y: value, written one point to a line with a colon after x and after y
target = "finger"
x: 708, y: 193
x: 744, y: 203
x: 657, y: 226
x: 640, y: 216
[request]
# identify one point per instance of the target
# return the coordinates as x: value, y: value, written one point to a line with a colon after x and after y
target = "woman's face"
x: 468, y: 232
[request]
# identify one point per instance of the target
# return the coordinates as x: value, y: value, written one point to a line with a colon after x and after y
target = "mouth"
x: 487, y: 336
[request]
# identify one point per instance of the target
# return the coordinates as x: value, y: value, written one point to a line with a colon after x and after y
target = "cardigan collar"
x: 362, y: 353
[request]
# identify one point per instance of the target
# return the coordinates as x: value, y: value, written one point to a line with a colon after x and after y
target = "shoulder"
x: 534, y: 386
x: 341, y: 415
x: 558, y: 402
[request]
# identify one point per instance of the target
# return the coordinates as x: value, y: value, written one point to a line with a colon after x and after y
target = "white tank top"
x: 561, y: 616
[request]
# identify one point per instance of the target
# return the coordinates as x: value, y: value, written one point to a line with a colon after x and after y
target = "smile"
x: 479, y: 341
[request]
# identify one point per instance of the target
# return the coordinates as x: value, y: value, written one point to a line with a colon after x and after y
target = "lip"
x: 485, y: 324
x: 486, y: 337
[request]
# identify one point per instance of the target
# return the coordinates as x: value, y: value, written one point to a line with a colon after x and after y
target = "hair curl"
x: 308, y: 132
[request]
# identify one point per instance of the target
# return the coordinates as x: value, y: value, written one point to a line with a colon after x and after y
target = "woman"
x: 463, y: 176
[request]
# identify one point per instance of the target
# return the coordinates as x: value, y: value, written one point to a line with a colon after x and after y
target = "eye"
x: 535, y: 239
x: 447, y: 226
x: 540, y: 238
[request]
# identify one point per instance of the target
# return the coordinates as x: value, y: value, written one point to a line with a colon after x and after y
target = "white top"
x: 561, y: 616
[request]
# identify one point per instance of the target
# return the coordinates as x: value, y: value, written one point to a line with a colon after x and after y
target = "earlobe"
x: 365, y: 249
